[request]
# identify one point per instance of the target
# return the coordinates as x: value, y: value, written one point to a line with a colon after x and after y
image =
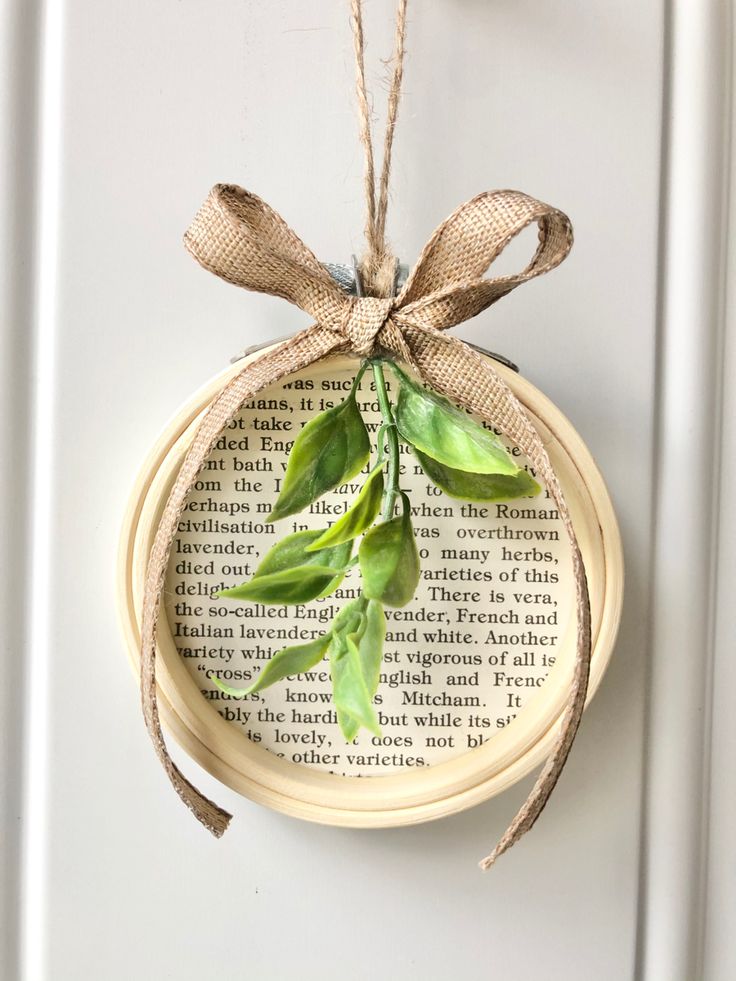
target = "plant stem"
x: 392, y: 437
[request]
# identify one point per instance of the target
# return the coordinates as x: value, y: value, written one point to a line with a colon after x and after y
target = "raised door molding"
x: 688, y: 774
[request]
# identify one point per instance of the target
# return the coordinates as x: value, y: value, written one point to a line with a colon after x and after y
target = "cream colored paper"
x: 461, y: 660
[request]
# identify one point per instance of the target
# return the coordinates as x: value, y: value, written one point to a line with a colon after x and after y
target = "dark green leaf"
x: 439, y: 429
x: 359, y: 517
x: 478, y: 486
x: 332, y: 448
x: 298, y: 585
x: 389, y: 561
x: 286, y: 662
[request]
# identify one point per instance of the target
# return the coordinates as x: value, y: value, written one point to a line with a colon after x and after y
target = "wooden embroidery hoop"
x: 399, y: 798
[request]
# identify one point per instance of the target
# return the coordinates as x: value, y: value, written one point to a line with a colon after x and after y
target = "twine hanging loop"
x: 377, y: 266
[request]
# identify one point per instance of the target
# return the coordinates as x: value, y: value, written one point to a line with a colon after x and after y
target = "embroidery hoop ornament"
x: 241, y: 239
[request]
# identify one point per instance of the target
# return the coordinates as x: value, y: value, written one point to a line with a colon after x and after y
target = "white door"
x: 116, y: 119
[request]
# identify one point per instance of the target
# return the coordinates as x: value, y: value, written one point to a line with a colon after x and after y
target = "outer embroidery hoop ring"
x: 398, y: 799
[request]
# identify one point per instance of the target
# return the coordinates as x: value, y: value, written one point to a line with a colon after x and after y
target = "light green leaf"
x: 439, y: 429
x: 288, y: 661
x: 349, y: 692
x: 349, y: 617
x: 298, y: 585
x: 352, y: 700
x: 369, y: 641
x: 349, y: 726
x: 389, y: 560
x: 478, y: 486
x: 299, y: 549
x: 332, y: 448
x: 291, y: 555
x: 360, y: 516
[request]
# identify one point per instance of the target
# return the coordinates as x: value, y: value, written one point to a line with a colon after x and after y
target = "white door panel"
x: 116, y: 119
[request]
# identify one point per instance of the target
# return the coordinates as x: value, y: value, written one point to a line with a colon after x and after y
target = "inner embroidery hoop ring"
x: 396, y: 799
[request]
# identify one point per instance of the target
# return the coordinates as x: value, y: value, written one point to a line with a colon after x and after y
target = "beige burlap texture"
x: 241, y: 239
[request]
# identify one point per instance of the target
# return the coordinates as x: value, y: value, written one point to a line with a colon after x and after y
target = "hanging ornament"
x: 371, y: 550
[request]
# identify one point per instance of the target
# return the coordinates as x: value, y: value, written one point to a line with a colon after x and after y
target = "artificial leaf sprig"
x: 461, y: 457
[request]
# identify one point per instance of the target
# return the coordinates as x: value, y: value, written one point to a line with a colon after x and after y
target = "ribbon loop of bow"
x: 241, y: 239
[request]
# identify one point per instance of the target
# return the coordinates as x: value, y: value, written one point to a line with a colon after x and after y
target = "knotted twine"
x: 241, y: 239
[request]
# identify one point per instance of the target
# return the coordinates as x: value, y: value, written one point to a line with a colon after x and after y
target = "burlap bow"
x: 241, y: 239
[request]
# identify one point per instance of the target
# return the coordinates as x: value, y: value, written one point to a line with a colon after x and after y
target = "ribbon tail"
x: 296, y: 353
x: 454, y: 369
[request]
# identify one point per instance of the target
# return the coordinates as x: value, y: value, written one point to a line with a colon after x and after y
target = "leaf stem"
x: 358, y: 377
x: 392, y: 436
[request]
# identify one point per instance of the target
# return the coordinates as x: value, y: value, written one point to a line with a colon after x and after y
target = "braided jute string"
x: 239, y: 238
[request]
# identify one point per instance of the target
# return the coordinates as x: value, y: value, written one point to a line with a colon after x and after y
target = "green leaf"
x: 349, y: 726
x: 299, y: 549
x: 332, y: 448
x: 350, y: 617
x: 389, y: 560
x: 477, y: 486
x: 439, y: 429
x: 298, y: 585
x: 369, y: 641
x: 290, y: 555
x: 288, y: 661
x: 360, y: 516
x: 351, y: 696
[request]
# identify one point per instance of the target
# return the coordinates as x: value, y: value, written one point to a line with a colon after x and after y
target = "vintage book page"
x: 461, y: 660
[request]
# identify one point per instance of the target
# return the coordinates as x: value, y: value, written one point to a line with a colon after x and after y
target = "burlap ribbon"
x: 241, y: 239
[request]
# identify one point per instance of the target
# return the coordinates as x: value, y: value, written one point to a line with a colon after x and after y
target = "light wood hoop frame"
x: 399, y: 798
